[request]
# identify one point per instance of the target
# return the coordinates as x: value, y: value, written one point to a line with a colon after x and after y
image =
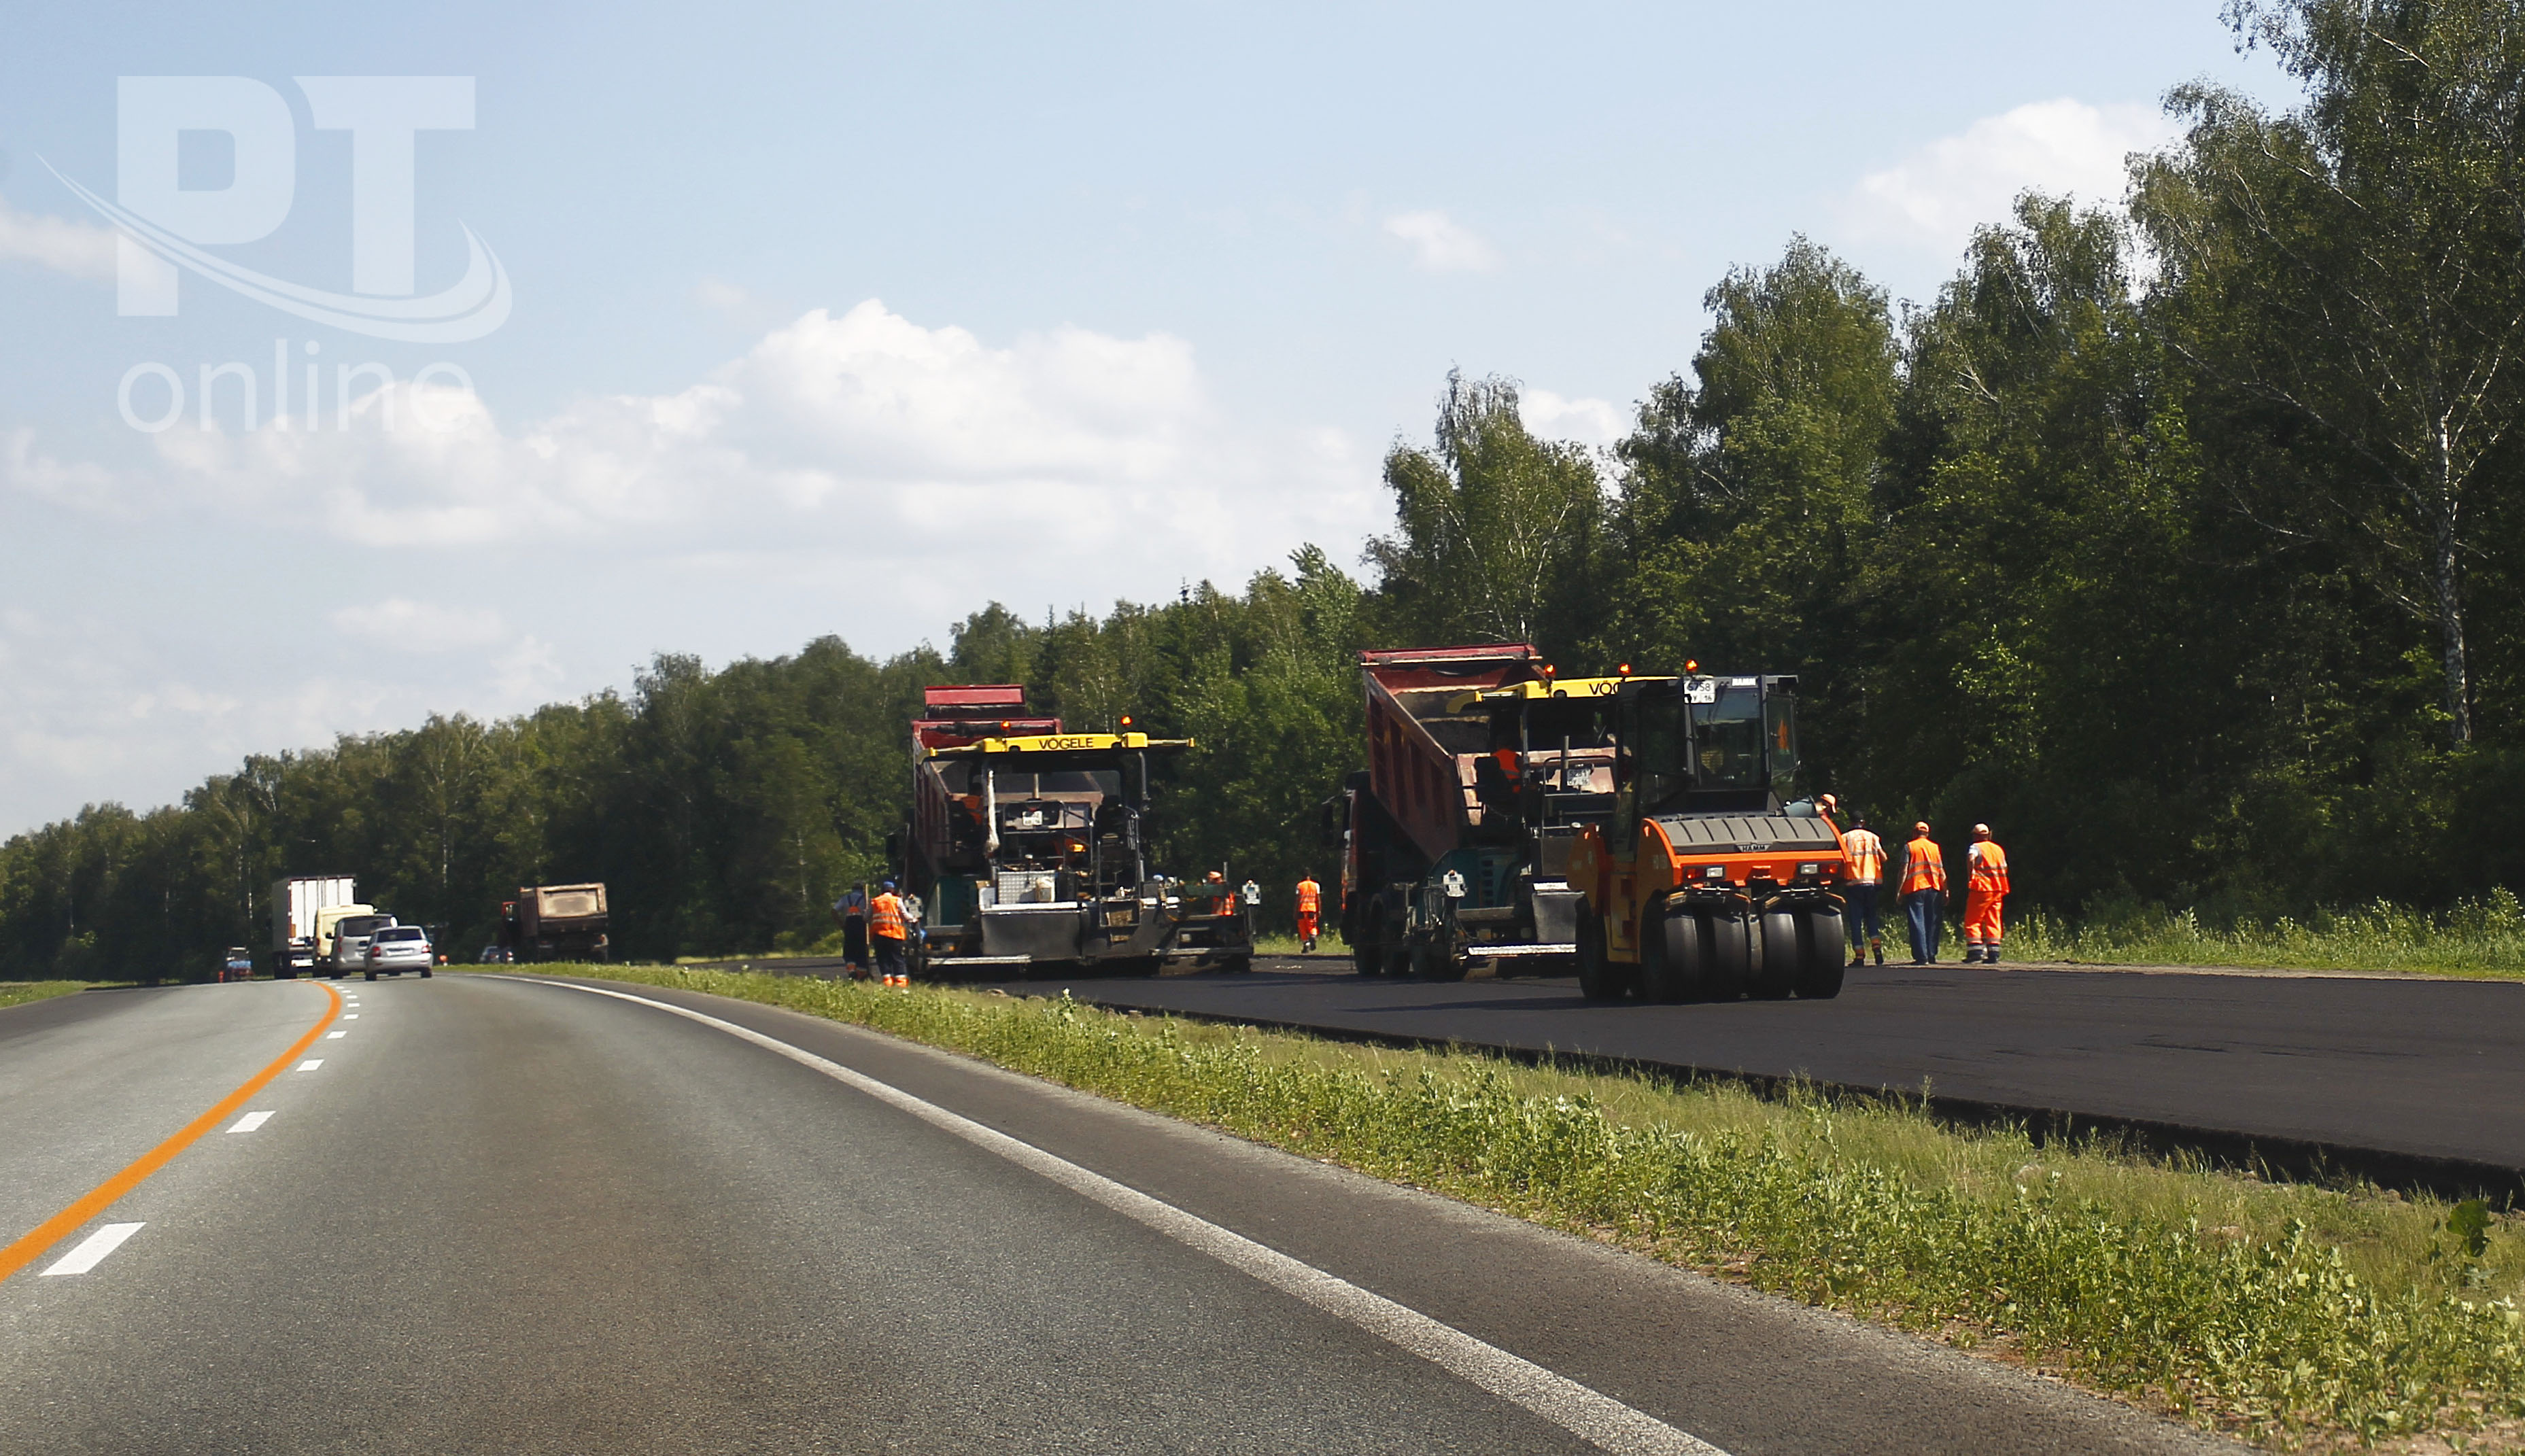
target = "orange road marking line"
x: 62, y: 1225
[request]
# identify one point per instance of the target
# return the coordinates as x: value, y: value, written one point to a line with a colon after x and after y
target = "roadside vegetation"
x: 2482, y: 937
x: 19, y: 992
x: 2296, y: 1316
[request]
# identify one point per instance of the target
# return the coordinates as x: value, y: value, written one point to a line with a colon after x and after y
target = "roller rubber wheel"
x: 1729, y: 941
x: 1675, y: 962
x: 1599, y: 979
x: 1826, y: 957
x: 1782, y: 954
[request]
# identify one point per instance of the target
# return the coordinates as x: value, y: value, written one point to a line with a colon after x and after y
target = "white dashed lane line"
x: 250, y: 1122
x: 351, y: 1017
x: 310, y: 1064
x: 93, y: 1249
x: 335, y: 1036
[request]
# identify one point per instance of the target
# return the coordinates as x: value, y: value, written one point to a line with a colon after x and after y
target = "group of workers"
x: 1924, y: 891
x: 877, y: 926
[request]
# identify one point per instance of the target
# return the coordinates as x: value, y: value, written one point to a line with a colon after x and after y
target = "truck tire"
x: 1369, y: 954
x: 1599, y: 979
x: 1434, y: 961
x: 1819, y: 974
x: 1729, y: 941
x: 1674, y: 960
x: 1782, y: 954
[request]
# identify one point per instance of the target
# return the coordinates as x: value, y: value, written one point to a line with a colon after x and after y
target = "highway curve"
x: 501, y: 1215
x: 2396, y: 1076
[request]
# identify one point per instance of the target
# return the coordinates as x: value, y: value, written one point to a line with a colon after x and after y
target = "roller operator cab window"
x: 1728, y: 739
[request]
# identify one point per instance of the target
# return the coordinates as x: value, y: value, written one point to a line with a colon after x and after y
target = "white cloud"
x: 1442, y: 245
x: 864, y: 434
x: 406, y: 625
x: 82, y: 249
x: 1936, y: 196
x: 1587, y: 421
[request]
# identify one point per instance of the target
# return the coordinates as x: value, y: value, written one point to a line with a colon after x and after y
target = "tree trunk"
x: 2459, y: 671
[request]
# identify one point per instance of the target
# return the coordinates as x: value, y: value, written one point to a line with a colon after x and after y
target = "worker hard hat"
x: 1920, y: 828
x: 1981, y: 831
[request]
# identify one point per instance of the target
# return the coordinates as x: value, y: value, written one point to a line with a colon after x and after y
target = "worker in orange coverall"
x: 1988, y: 891
x: 1311, y: 905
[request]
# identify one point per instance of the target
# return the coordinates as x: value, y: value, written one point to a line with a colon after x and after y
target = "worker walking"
x: 1924, y: 892
x: 1310, y: 905
x: 890, y: 931
x: 1988, y: 886
x: 1862, y: 922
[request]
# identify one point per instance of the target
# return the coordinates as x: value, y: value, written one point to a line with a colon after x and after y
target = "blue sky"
x: 850, y: 319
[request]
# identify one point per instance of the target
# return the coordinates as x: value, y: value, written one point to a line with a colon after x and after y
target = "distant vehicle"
x: 497, y: 955
x: 237, y: 965
x: 556, y: 922
x: 299, y: 907
x: 351, y: 936
x: 397, y: 948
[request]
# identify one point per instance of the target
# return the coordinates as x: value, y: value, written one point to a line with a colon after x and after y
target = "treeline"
x: 2176, y: 541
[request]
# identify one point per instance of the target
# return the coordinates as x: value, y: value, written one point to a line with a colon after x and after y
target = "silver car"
x: 398, y: 948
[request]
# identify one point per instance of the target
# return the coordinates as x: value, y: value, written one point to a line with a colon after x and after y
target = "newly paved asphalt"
x: 505, y: 1216
x: 2427, y: 1068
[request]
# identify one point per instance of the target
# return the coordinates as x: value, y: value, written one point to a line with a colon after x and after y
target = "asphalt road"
x: 519, y: 1217
x: 2424, y: 1068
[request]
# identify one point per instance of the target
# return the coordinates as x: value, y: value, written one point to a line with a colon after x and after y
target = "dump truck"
x: 555, y: 922
x: 303, y: 911
x: 1712, y: 877
x: 1028, y: 847
x: 1484, y: 765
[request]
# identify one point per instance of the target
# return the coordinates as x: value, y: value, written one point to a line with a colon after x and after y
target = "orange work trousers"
x: 1981, y: 919
x: 1306, y: 925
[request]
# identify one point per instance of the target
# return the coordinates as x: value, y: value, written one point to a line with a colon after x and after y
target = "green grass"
x: 2293, y: 1315
x: 19, y: 992
x: 2482, y: 938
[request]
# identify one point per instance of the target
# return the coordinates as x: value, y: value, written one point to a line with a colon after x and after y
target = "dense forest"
x: 2174, y: 539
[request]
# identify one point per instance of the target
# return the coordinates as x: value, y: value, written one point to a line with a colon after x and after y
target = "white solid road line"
x: 250, y: 1122
x: 1586, y: 1413
x: 310, y: 1064
x: 92, y: 1249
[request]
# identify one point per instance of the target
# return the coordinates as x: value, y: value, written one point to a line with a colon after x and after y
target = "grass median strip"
x: 2299, y: 1317
x: 19, y: 992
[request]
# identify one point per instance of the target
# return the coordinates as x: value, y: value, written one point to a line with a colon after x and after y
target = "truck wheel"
x: 1597, y: 978
x: 1433, y: 960
x: 1369, y: 954
x: 1675, y: 962
x: 1731, y: 953
x: 1819, y: 974
x: 1782, y: 954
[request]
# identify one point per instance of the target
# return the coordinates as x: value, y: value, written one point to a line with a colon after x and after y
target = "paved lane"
x: 2431, y: 1069
x: 518, y: 1217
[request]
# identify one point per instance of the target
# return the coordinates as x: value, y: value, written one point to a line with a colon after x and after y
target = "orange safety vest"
x: 1989, y: 867
x: 1867, y: 855
x: 886, y: 918
x: 1309, y: 897
x: 1926, y: 866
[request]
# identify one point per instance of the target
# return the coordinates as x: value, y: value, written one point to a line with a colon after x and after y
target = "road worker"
x: 852, y: 910
x: 1310, y: 905
x: 1862, y: 922
x: 890, y: 933
x: 1988, y: 886
x: 1924, y: 892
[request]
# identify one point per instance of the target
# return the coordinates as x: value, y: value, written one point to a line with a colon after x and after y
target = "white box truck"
x: 298, y: 920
